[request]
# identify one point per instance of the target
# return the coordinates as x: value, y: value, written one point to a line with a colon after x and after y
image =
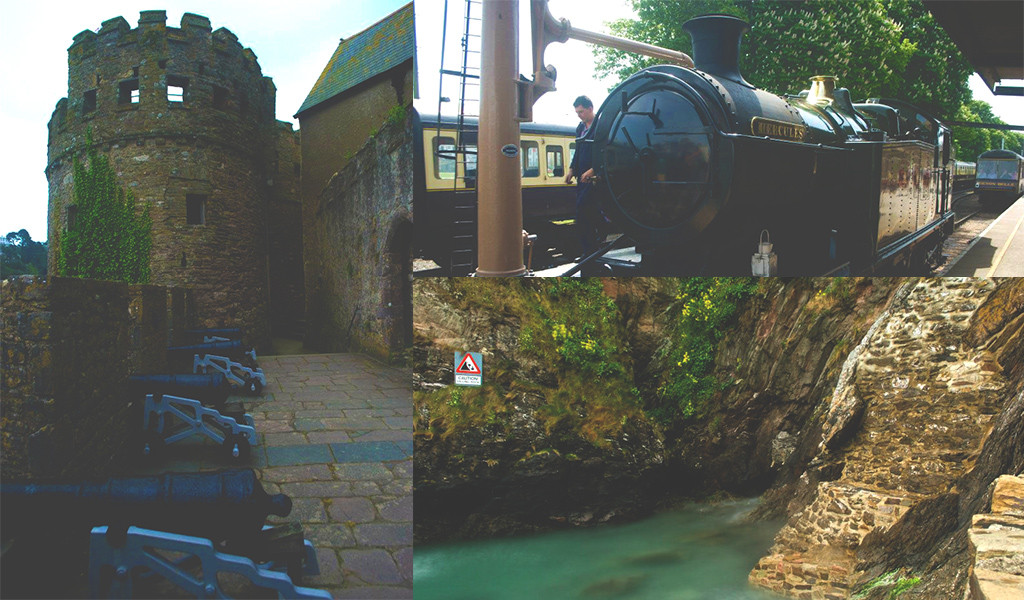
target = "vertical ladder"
x: 462, y: 259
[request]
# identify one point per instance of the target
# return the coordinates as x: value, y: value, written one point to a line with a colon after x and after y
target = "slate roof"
x: 382, y: 46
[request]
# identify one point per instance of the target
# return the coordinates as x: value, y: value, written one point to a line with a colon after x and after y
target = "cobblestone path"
x: 336, y: 435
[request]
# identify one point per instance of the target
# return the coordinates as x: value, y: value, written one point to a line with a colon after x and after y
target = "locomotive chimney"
x: 716, y: 45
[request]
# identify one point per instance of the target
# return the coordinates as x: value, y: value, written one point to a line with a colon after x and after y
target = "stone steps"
x: 996, y: 542
x: 815, y: 554
x: 927, y: 406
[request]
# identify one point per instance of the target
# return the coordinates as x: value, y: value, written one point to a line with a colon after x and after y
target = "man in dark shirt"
x: 588, y: 215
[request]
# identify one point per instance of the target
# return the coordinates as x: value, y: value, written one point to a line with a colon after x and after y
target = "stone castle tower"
x: 187, y: 120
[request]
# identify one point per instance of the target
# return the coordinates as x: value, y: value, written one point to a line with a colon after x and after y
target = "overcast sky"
x: 292, y: 40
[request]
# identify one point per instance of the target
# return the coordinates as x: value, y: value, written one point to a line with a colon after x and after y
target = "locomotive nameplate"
x: 777, y: 129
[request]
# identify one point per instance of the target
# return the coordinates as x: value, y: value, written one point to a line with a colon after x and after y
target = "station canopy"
x: 990, y: 33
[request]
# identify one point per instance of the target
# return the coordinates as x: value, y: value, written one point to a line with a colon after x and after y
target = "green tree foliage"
x: 876, y: 48
x: 20, y: 255
x: 703, y: 308
x: 970, y: 142
x: 108, y: 238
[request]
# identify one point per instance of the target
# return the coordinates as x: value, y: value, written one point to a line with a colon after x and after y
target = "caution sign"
x: 469, y: 368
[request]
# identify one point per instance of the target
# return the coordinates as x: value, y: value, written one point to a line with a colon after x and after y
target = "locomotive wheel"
x: 236, y: 447
x: 152, y: 446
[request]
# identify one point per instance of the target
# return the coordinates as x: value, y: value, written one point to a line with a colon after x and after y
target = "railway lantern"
x: 764, y: 263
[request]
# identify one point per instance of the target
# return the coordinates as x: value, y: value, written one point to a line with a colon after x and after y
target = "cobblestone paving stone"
x: 336, y: 432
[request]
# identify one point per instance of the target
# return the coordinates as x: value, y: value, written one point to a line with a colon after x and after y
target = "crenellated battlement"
x: 115, y: 35
x: 161, y: 79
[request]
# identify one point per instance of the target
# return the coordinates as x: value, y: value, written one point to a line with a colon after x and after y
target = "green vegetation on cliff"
x: 572, y: 360
x: 697, y: 321
x: 570, y: 335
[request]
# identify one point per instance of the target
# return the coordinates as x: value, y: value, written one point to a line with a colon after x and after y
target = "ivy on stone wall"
x: 106, y: 238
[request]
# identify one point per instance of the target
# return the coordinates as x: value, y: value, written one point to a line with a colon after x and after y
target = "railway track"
x: 971, y: 219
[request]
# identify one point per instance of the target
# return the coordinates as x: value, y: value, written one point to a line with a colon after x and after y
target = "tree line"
x: 876, y: 49
x: 21, y: 255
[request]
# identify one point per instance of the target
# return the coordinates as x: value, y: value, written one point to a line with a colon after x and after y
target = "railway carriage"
x: 963, y: 176
x: 445, y: 197
x: 1000, y: 176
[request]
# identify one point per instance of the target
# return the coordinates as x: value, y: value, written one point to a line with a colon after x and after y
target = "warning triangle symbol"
x: 468, y: 365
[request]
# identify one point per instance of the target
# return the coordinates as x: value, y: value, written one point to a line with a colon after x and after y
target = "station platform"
x: 996, y: 252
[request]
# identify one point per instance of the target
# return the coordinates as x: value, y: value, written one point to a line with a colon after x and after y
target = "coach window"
x: 531, y: 159
x: 470, y: 161
x: 195, y: 209
x: 556, y: 168
x: 572, y: 151
x: 444, y: 158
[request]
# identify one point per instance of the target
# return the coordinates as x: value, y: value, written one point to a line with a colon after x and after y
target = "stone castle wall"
x: 284, y: 220
x: 186, y: 117
x: 68, y: 347
x: 358, y: 286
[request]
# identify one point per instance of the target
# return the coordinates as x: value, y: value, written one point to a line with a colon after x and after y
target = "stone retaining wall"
x: 997, y: 544
x: 918, y: 408
x: 358, y: 277
x: 68, y: 348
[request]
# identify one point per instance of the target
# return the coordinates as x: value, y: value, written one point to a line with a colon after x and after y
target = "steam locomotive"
x: 698, y: 166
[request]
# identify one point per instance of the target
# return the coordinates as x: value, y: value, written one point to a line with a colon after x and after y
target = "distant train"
x: 444, y: 201
x: 963, y: 175
x: 698, y: 166
x: 1000, y: 176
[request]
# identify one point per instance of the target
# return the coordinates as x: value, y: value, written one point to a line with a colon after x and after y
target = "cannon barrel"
x: 227, y: 506
x: 233, y: 349
x: 232, y: 333
x: 212, y: 388
x: 230, y: 346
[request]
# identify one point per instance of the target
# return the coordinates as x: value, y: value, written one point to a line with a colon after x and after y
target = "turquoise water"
x: 696, y: 552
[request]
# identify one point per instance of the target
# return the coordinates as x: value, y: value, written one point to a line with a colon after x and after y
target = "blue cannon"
x: 231, y: 348
x: 225, y: 358
x: 168, y: 419
x: 212, y: 389
x: 165, y: 526
x: 222, y: 334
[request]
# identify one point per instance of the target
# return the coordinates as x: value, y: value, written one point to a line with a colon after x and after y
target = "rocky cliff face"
x: 532, y: 449
x: 873, y: 413
x: 518, y: 473
x: 922, y: 420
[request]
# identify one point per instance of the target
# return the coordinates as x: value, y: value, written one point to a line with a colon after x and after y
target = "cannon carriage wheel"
x: 237, y: 447
x: 152, y: 445
x: 253, y: 385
